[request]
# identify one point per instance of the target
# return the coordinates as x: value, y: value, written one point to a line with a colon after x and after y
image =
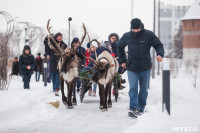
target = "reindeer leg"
x: 64, y: 98
x: 100, y: 95
x: 69, y: 101
x: 104, y: 97
x: 74, y: 102
x: 105, y: 107
x: 109, y: 99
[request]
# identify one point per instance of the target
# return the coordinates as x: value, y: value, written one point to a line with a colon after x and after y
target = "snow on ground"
x: 23, y: 111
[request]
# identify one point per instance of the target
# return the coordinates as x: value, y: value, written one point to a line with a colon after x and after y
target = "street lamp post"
x: 26, y: 40
x: 29, y: 26
x: 69, y: 19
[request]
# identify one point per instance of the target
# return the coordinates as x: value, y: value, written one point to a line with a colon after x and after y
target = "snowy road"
x: 28, y: 111
x: 23, y: 111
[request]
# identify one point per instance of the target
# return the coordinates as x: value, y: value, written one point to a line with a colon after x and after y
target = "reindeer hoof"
x: 70, y: 107
x: 65, y: 103
x: 110, y: 106
x: 74, y: 103
x: 101, y: 107
x: 103, y: 110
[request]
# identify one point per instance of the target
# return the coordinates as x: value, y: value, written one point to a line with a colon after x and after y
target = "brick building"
x: 191, y: 32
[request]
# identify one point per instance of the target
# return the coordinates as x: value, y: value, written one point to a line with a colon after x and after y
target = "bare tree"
x: 178, y: 44
x: 14, y: 43
x: 175, y: 65
x: 192, y: 67
x: 4, y: 49
x: 195, y: 67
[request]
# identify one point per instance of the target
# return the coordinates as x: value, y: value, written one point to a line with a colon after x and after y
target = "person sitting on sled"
x: 91, y: 49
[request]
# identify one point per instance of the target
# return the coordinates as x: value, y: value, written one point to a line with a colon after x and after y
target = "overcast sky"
x: 100, y: 16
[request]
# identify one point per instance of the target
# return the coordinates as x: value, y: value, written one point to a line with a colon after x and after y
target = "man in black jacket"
x: 54, y: 61
x: 139, y: 42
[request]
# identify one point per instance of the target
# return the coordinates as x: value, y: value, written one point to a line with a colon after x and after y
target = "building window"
x: 193, y: 23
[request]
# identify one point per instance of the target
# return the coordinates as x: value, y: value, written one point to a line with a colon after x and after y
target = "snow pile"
x: 184, y: 107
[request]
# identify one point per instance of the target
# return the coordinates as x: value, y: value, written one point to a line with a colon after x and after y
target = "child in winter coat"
x: 26, y: 65
x: 91, y: 49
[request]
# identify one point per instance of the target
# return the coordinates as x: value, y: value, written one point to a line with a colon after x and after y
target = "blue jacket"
x: 80, y: 52
x: 139, y: 45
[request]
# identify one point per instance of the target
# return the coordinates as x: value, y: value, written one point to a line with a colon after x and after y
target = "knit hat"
x: 136, y: 23
x: 95, y: 44
x: 58, y: 34
x: 75, y: 40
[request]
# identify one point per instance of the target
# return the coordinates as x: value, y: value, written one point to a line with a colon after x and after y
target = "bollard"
x: 166, y: 85
x: 45, y: 74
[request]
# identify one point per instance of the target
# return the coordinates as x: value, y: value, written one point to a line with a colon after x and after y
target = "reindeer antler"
x: 89, y: 38
x: 52, y: 47
x: 61, y: 51
x: 113, y: 59
x: 85, y: 31
x: 91, y: 44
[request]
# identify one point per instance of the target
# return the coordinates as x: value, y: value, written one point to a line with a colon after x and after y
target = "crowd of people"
x: 27, y: 64
x: 138, y: 63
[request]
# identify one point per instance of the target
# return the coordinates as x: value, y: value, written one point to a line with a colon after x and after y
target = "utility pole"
x: 158, y: 73
x: 131, y: 9
x: 154, y: 29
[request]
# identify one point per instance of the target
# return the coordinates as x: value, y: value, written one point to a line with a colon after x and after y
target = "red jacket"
x: 87, y: 54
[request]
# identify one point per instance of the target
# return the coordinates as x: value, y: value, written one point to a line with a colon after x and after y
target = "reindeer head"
x: 68, y: 56
x: 100, y: 70
x: 68, y: 60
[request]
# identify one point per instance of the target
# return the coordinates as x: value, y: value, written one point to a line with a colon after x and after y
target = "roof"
x: 193, y: 12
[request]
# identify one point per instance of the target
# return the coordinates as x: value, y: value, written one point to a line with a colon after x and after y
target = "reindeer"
x: 68, y: 67
x: 105, y: 69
